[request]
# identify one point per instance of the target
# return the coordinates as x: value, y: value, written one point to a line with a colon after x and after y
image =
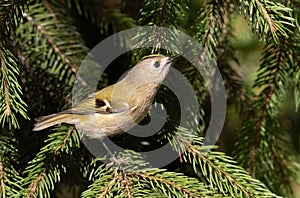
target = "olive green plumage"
x: 118, y: 107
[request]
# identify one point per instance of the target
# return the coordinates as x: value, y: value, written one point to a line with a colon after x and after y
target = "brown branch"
x: 266, y: 104
x: 107, y: 189
x: 266, y: 16
x: 34, y: 185
x: 109, y: 186
x: 2, y: 173
x: 259, y: 125
x: 263, y: 112
x: 122, y: 180
x: 6, y: 93
x: 70, y: 131
x: 5, y: 85
x: 125, y: 181
x: 211, y: 164
x: 128, y: 187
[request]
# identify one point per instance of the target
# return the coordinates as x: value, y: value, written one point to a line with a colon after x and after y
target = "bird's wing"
x: 100, y: 103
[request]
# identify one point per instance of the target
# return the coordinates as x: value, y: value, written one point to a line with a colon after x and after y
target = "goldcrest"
x: 118, y: 107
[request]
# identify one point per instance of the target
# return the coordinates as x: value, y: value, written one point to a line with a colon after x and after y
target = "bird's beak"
x: 172, y: 59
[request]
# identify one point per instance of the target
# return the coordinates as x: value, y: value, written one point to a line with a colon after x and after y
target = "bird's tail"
x: 50, y: 120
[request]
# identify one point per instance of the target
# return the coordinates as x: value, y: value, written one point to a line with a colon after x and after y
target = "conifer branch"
x: 195, y: 151
x: 45, y: 169
x: 261, y: 139
x: 48, y: 58
x: 271, y: 78
x: 2, y: 173
x: 215, y: 167
x: 210, y: 25
x: 258, y: 127
x: 295, y: 58
x: 102, y: 16
x: 232, y: 78
x: 128, y: 187
x: 10, y: 15
x: 10, y: 90
x: 64, y: 141
x: 136, y: 180
x: 55, y: 46
x: 190, y: 149
x: 10, y: 181
x: 159, y: 14
x: 4, y: 71
x: 163, y: 181
x: 109, y: 186
x: 160, y: 21
x: 268, y: 17
x: 33, y: 188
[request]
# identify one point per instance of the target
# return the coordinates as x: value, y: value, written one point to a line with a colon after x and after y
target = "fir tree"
x: 42, y: 44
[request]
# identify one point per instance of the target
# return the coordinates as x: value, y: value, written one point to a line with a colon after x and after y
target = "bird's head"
x: 153, y: 68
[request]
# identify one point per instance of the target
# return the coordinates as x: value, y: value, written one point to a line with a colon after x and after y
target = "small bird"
x: 118, y: 107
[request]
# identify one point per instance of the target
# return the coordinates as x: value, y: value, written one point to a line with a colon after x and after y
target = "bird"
x: 118, y: 107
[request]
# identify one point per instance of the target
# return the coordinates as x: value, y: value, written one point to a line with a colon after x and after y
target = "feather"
x: 50, y: 120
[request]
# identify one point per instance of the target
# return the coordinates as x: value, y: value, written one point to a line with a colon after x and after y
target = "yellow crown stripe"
x: 150, y: 56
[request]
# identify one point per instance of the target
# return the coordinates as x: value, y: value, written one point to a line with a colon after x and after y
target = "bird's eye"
x: 156, y: 64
